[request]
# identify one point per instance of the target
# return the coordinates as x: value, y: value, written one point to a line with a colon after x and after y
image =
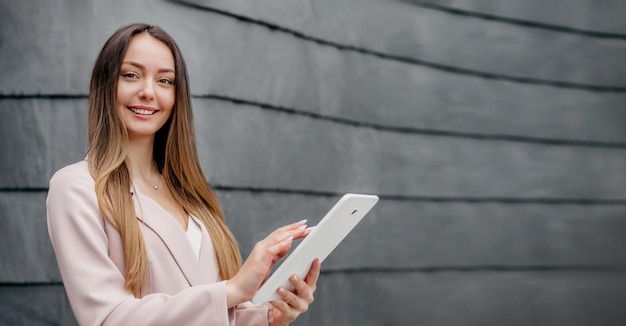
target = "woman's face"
x: 145, y: 86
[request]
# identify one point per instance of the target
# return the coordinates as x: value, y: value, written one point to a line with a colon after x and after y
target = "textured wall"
x: 493, y: 131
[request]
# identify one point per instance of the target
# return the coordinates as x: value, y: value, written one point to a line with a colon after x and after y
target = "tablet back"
x: 328, y: 233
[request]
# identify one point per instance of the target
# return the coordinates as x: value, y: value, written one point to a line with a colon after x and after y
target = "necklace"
x: 143, y: 179
x: 156, y: 186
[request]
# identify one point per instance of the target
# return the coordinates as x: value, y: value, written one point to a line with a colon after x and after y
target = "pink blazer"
x: 181, y: 290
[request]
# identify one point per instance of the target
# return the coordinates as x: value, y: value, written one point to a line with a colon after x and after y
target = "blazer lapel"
x: 160, y: 221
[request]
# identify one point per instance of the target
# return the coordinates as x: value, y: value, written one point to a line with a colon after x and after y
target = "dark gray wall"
x: 494, y: 132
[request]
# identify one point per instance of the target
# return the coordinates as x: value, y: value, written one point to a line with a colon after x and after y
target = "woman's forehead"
x: 147, y: 51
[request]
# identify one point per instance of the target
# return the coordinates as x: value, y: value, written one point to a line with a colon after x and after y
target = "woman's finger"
x: 289, y: 314
x: 294, y: 301
x: 304, y: 291
x: 290, y: 227
x: 295, y: 230
x: 303, y: 232
x: 280, y: 249
x: 314, y: 273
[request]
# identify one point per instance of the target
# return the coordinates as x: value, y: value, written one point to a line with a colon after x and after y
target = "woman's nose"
x: 147, y: 91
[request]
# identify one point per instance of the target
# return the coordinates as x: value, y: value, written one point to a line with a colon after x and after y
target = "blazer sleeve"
x: 94, y: 284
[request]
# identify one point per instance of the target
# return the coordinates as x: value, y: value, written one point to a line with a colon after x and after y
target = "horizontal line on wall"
x: 43, y: 96
x: 371, y: 125
x: 477, y: 269
x: 395, y: 197
x: 437, y: 199
x: 423, y: 270
x: 410, y: 60
x: 424, y: 131
x: 23, y: 189
x: 27, y: 284
x: 517, y: 22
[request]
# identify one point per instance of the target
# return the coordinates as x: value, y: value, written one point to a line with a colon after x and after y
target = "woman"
x: 138, y: 233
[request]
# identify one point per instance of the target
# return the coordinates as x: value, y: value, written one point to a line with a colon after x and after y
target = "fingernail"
x: 309, y: 229
x: 281, y: 290
x: 302, y: 222
x: 294, y: 278
x: 302, y: 227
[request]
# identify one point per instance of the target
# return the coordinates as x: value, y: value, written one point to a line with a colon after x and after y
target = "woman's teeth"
x: 142, y: 111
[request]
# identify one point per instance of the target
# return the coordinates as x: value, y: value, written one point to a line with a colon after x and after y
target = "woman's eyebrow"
x: 133, y: 63
x: 140, y: 66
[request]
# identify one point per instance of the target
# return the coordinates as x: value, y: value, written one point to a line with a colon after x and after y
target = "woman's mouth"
x: 141, y: 111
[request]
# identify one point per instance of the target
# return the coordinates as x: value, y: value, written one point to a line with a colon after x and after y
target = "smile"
x: 142, y: 111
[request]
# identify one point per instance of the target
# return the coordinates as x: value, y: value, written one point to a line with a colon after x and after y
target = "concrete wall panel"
x: 25, y: 250
x: 332, y: 156
x: 481, y: 298
x: 433, y: 36
x: 413, y: 234
x: 396, y: 235
x: 278, y: 69
x: 35, y: 305
x: 585, y: 15
x: 447, y: 298
x: 39, y: 136
x: 298, y: 152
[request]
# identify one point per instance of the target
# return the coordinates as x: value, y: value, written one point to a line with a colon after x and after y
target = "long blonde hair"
x: 174, y: 153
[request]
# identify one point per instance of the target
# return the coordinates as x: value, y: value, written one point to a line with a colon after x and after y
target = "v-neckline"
x: 197, y: 270
x: 136, y: 189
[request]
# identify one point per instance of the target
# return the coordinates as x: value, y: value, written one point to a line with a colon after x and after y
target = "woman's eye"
x: 129, y: 75
x: 166, y: 81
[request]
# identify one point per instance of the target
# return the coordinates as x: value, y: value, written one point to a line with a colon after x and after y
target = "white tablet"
x: 328, y: 233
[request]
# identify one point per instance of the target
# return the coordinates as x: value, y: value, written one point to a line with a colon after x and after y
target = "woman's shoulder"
x: 73, y: 174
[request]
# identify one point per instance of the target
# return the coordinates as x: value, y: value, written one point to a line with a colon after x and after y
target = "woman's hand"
x: 257, y: 267
x: 292, y: 304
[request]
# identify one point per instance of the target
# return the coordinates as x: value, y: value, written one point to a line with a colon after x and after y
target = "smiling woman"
x: 138, y: 233
x: 145, y: 88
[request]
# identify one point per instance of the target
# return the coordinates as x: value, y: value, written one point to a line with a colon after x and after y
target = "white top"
x: 194, y: 234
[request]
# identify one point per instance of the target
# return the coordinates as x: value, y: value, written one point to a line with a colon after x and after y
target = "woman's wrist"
x: 234, y: 295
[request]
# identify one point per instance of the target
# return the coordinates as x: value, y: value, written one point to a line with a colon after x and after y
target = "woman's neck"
x: 140, y: 157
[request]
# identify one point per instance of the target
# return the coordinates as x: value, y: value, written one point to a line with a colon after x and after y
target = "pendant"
x: 156, y: 187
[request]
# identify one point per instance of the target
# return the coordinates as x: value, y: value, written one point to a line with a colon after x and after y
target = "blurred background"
x: 493, y: 132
